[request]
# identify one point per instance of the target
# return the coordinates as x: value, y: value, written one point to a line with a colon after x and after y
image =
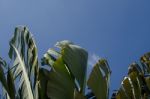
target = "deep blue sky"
x: 118, y: 30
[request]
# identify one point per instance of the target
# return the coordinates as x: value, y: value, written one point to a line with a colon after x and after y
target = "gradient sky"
x: 118, y: 30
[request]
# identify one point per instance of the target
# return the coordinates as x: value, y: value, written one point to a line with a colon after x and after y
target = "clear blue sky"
x: 118, y: 30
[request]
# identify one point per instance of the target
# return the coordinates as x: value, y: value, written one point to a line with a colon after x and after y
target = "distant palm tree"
x: 62, y: 76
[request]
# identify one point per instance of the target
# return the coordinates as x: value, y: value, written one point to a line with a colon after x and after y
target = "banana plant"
x: 67, y: 74
x: 63, y: 74
x: 137, y: 84
x: 24, y: 58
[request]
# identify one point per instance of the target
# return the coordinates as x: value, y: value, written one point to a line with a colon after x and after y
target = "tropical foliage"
x: 62, y: 73
x: 137, y: 84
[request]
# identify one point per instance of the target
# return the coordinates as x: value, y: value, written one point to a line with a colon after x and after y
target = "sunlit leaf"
x: 23, y: 52
x: 24, y: 80
x: 60, y: 84
x: 99, y: 80
x: 76, y: 59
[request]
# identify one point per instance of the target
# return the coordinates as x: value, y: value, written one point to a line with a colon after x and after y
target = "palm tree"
x: 61, y: 74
